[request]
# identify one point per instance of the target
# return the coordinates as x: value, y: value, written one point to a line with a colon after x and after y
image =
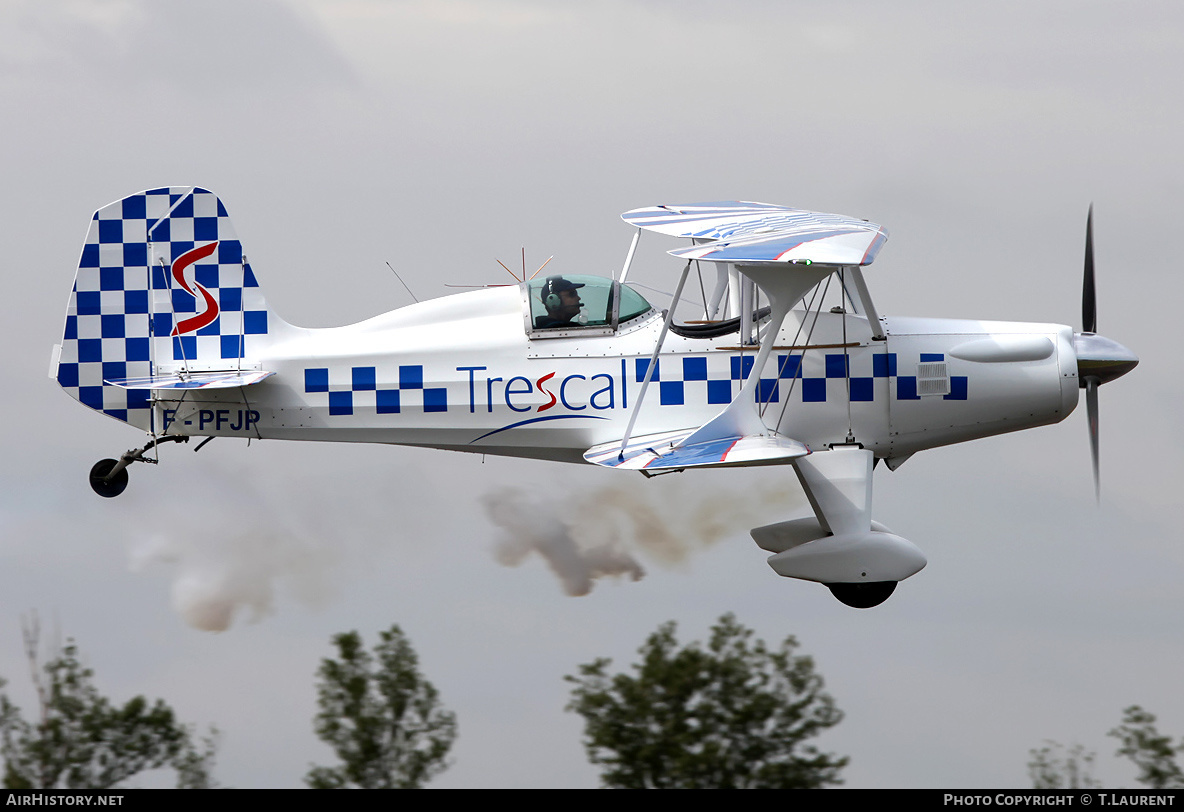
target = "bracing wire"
x: 819, y: 297
x: 846, y: 357
x: 396, y: 273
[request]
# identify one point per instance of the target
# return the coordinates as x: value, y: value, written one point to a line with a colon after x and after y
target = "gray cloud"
x: 221, y: 49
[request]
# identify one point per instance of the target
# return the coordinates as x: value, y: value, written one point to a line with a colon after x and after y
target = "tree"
x: 1052, y: 767
x: 735, y: 715
x: 380, y: 716
x: 82, y: 740
x: 1152, y: 753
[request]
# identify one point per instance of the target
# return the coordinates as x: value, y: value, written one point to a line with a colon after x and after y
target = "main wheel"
x: 863, y: 595
x: 101, y: 485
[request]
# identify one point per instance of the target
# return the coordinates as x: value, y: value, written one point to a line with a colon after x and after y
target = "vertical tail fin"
x: 163, y: 285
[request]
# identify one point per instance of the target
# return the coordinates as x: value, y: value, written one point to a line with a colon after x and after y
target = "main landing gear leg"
x: 108, y: 478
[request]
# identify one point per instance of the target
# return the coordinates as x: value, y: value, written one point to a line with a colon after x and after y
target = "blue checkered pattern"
x: 121, y: 316
x: 717, y: 378
x: 397, y: 390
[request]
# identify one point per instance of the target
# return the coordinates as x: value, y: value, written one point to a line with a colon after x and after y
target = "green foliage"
x: 732, y: 716
x: 1152, y: 753
x: 1054, y: 767
x: 83, y: 741
x: 195, y: 767
x: 380, y: 716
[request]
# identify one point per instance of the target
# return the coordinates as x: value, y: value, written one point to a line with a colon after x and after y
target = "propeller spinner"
x: 1099, y: 359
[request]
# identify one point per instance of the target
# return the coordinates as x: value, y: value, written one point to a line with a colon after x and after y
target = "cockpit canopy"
x: 571, y: 304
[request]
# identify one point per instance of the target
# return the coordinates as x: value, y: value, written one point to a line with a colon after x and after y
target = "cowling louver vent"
x: 933, y: 379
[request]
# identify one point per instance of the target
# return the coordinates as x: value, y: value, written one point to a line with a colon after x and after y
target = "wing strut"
x: 747, y: 306
x: 873, y: 318
x: 742, y: 416
x: 649, y: 372
x: 721, y: 287
x: 629, y: 256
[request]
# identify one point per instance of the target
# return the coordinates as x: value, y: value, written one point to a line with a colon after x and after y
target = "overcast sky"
x: 442, y: 135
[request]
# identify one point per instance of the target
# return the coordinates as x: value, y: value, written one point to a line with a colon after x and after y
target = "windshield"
x: 633, y: 304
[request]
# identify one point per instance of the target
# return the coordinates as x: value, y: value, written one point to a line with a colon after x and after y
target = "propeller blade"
x: 1089, y: 300
x: 1091, y: 406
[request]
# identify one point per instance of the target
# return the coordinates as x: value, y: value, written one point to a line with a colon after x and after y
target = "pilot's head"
x: 560, y: 298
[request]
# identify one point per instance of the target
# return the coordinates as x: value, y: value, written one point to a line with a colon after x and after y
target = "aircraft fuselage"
x: 460, y: 372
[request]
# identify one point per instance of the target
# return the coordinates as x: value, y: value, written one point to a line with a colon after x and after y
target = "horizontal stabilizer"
x: 662, y: 452
x: 193, y: 380
x: 750, y: 233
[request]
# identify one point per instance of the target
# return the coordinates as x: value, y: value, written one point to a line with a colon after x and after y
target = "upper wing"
x: 747, y: 233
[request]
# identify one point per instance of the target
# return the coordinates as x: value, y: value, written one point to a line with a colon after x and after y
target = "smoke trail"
x: 587, y: 534
x: 532, y: 526
x: 230, y: 559
x: 222, y: 576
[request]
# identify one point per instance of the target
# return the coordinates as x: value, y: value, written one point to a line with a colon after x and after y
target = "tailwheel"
x: 108, y: 478
x: 863, y: 595
x: 106, y: 483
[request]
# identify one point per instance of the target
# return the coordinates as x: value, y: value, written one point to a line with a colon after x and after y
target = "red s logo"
x: 539, y: 384
x: 207, y: 316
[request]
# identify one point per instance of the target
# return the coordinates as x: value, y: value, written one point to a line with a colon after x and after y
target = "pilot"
x: 562, y: 301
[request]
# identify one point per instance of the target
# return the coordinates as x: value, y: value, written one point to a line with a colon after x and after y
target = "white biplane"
x: 167, y: 329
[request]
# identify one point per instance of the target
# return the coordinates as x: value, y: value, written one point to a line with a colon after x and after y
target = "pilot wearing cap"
x: 562, y: 301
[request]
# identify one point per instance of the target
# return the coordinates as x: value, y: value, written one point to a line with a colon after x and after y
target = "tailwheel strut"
x: 108, y: 478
